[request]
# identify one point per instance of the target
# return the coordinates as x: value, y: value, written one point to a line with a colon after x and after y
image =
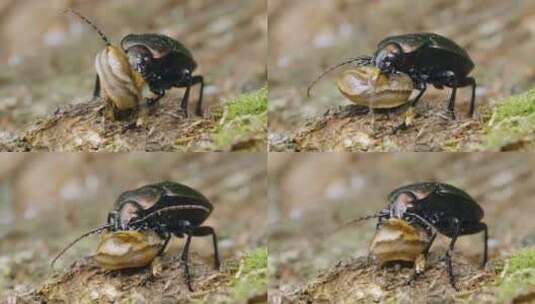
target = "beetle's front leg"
x: 153, y: 100
x: 167, y: 238
x: 421, y: 86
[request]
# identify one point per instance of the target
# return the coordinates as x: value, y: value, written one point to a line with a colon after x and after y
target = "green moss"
x: 241, y: 119
x: 251, y: 278
x: 512, y: 120
x: 518, y: 274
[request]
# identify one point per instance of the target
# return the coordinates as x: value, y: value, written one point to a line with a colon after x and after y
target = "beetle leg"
x: 455, y: 226
x: 194, y: 81
x: 428, y: 246
x: 159, y: 94
x: 167, y: 238
x: 204, y: 231
x: 422, y: 87
x: 486, y: 240
x: 185, y: 99
x: 451, y: 103
x: 470, y: 81
x: 476, y: 227
x: 96, y: 90
x: 425, y: 252
x: 184, y: 258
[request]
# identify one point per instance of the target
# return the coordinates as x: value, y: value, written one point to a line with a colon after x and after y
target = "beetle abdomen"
x: 122, y: 85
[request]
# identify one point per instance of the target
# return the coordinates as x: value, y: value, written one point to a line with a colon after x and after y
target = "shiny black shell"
x: 176, y: 202
x: 160, y: 46
x: 439, y: 202
x: 432, y: 51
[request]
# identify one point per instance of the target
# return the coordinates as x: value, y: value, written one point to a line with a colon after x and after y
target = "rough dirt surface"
x: 87, y: 283
x: 83, y: 127
x: 76, y: 191
x: 311, y: 259
x: 49, y: 71
x: 356, y: 280
x: 352, y: 128
x: 497, y: 35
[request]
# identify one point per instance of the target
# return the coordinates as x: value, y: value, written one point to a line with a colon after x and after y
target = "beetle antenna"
x: 383, y: 212
x: 362, y: 60
x: 93, y: 231
x: 84, y: 18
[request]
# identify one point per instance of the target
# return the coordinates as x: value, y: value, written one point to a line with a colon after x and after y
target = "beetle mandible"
x: 168, y: 209
x: 428, y: 58
x: 438, y: 208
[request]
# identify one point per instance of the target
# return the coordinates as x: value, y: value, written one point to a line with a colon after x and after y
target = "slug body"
x: 119, y: 83
x: 367, y: 86
x: 127, y: 249
x: 396, y: 240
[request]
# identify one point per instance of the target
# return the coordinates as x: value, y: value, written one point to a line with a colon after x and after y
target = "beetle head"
x: 388, y: 58
x: 139, y: 58
x: 121, y: 217
x: 401, y: 204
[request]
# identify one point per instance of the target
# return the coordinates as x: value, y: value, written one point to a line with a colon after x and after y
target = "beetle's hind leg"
x: 188, y: 81
x: 159, y: 94
x: 195, y: 80
x: 449, y: 79
x: 205, y: 231
x: 476, y: 227
x: 470, y: 81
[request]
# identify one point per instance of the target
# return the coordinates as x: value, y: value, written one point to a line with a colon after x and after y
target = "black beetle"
x: 166, y: 208
x: 428, y: 58
x: 436, y: 207
x: 162, y: 61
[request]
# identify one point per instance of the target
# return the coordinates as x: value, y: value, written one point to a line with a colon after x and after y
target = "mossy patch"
x: 242, y: 119
x: 251, y: 278
x: 518, y: 275
x: 512, y: 121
